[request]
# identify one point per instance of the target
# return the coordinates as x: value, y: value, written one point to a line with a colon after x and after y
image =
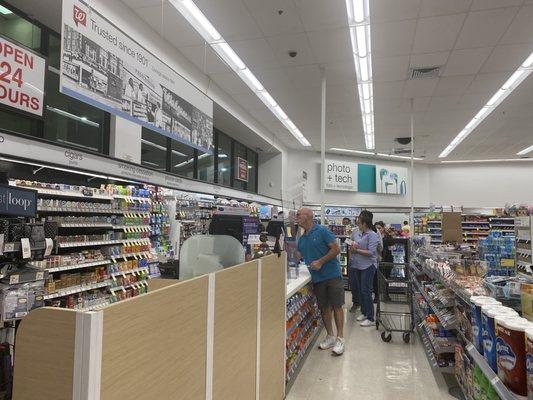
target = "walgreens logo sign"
x: 80, y: 16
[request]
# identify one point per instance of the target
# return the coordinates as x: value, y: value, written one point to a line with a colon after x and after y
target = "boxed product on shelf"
x: 16, y: 301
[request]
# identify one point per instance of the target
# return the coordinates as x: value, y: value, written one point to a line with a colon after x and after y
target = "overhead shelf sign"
x: 21, y: 78
x: 104, y: 67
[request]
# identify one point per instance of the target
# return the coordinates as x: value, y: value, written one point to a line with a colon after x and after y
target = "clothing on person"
x: 314, y: 245
x: 352, y: 285
x: 368, y: 240
x: 330, y: 293
x: 388, y: 242
x: 364, y: 280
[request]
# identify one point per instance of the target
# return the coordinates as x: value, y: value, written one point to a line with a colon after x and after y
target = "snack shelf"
x: 77, y: 266
x: 497, y: 384
x: 76, y: 289
x: 291, y: 346
x: 430, y: 354
x: 465, y: 297
x: 295, y: 325
x: 438, y: 348
x: 292, y: 372
x: 443, y: 321
x: 129, y: 271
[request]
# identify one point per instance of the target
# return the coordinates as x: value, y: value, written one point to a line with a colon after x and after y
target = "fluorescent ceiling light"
x: 5, y: 11
x: 150, y: 163
x: 371, y: 153
x: 203, y: 26
x: 486, y: 161
x: 359, y: 24
x: 74, y: 117
x: 222, y: 155
x: 495, y: 100
x: 525, y: 151
x: 157, y: 146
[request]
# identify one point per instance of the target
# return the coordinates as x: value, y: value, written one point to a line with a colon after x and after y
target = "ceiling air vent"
x: 422, y: 73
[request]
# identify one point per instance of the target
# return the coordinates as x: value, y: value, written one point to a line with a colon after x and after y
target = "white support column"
x: 411, y: 174
x: 258, y: 339
x: 210, y: 338
x: 323, y: 146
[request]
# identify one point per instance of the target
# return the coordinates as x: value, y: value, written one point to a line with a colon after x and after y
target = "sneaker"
x: 328, y: 342
x: 338, y: 349
x: 361, y: 317
x: 366, y: 323
x: 354, y: 308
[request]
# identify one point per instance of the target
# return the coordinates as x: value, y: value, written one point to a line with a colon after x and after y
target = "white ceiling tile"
x: 341, y: 94
x: 303, y: 76
x: 249, y: 101
x: 484, y: 28
x: 485, y: 4
x: 390, y: 68
x: 487, y: 84
x: 429, y: 59
x: 521, y: 29
x: 141, y: 3
x: 443, y: 103
x: 319, y: 14
x: 392, y: 38
x: 472, y: 102
x: 433, y: 8
x: 270, y: 21
x: 341, y: 73
x: 256, y: 53
x: 466, y: 61
x: 419, y: 88
x: 331, y: 46
x: 386, y: 10
x: 224, y: 14
x: 197, y: 55
x: 455, y: 85
x: 282, y: 44
x: 507, y: 57
x: 437, y: 33
x: 388, y: 89
x: 230, y: 83
x: 170, y: 24
x: 273, y: 78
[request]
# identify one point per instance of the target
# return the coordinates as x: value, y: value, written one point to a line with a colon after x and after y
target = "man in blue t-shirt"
x: 318, y: 248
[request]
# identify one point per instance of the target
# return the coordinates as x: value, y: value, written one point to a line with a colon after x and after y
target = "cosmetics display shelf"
x: 76, y: 289
x: 493, y: 378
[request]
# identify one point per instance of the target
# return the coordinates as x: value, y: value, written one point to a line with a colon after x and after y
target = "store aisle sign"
x: 104, y: 67
x: 340, y: 175
x: 17, y: 201
x: 242, y: 169
x: 391, y: 180
x: 21, y: 78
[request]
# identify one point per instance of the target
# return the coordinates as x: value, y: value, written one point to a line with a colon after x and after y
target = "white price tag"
x: 14, y: 279
x: 49, y: 245
x: 39, y: 276
x: 26, y: 248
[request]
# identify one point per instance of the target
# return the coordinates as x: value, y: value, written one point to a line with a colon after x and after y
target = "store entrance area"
x: 369, y: 369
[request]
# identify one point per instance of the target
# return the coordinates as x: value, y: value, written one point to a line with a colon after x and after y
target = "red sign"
x: 80, y: 16
x: 21, y: 78
x: 242, y: 169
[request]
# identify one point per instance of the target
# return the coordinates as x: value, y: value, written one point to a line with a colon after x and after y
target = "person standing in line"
x: 364, y: 254
x: 379, y: 228
x: 406, y: 229
x: 319, y: 249
x: 388, y: 244
x: 352, y: 278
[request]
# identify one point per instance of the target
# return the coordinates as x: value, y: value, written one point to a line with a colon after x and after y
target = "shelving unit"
x: 524, y: 245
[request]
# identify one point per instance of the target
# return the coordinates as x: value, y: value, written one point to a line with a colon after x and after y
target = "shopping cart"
x: 394, y: 306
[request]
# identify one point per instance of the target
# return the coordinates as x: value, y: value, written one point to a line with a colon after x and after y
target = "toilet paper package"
x: 476, y: 302
x: 488, y: 327
x: 511, y: 353
x: 529, y: 362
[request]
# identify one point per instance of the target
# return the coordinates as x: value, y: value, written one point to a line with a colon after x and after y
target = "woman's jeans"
x: 364, y: 282
x: 352, y: 284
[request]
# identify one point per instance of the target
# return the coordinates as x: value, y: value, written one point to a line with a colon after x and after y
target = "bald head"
x: 304, y: 218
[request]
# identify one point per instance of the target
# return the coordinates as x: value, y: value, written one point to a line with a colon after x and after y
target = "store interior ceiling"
x: 476, y: 44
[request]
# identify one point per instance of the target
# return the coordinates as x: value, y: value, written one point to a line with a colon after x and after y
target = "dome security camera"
x: 293, y: 53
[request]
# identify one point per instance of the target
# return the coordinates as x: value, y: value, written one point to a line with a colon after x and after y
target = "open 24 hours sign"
x: 21, y: 78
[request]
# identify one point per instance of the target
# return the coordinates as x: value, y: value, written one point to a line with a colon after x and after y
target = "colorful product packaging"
x: 488, y: 312
x: 529, y: 362
x: 476, y: 302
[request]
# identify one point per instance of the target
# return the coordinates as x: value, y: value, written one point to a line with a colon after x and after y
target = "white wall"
x: 481, y: 185
x: 270, y: 174
x: 308, y: 161
x: 125, y: 140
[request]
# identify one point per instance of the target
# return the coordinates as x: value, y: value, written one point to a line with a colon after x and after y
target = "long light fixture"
x: 5, y: 11
x: 525, y: 151
x: 359, y: 22
x: 371, y: 153
x: 496, y: 99
x: 203, y: 26
x: 486, y: 161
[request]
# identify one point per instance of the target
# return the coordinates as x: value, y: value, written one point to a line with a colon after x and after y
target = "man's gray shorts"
x: 330, y: 293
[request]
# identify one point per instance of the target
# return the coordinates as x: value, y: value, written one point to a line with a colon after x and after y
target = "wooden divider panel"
x: 158, y: 283
x: 235, y: 340
x: 154, y: 346
x: 272, y: 336
x: 44, y: 356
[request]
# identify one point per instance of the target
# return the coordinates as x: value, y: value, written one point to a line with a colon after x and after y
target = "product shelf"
x: 135, y: 285
x: 444, y: 321
x: 132, y: 198
x: 129, y: 271
x: 100, y: 243
x: 87, y: 225
x: 291, y: 373
x: 430, y: 354
x: 68, y: 194
x: 438, y: 348
x: 76, y: 289
x: 133, y: 228
x: 77, y: 266
x: 125, y: 256
x: 497, y: 384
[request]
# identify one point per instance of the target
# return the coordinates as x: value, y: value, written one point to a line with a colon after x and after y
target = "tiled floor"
x: 369, y: 370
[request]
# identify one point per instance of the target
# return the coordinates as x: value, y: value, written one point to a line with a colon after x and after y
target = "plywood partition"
x: 44, y: 357
x: 272, y: 334
x: 235, y: 333
x: 158, y: 283
x: 154, y: 346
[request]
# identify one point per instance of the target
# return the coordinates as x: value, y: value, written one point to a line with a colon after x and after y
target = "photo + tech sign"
x: 340, y: 175
x: 21, y: 78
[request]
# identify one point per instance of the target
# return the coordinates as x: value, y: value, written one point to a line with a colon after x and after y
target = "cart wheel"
x: 386, y: 336
x: 377, y: 325
x: 407, y: 337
